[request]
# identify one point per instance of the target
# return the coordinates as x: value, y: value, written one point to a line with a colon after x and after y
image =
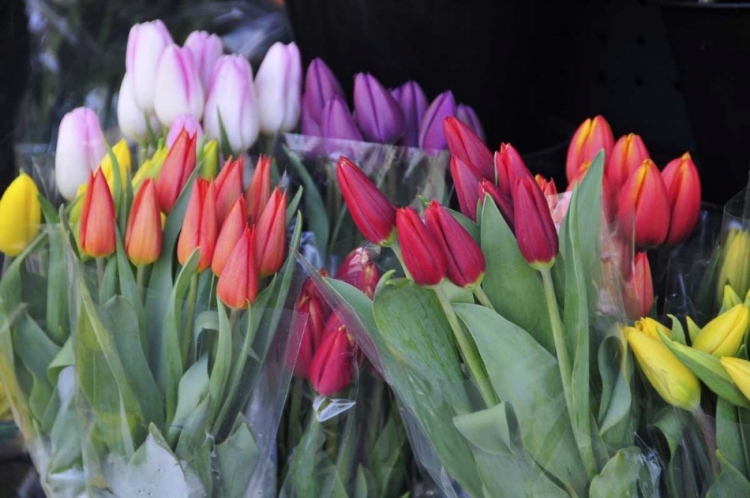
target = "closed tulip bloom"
x: 628, y: 153
x: 591, y: 137
x: 229, y: 185
x: 684, y: 194
x: 231, y: 230
x: 176, y: 170
x: 332, y: 367
x: 80, y: 148
x: 735, y: 262
x: 270, y: 238
x: 413, y: 103
x: 503, y: 201
x: 469, y: 147
x: 121, y: 151
x: 379, y: 116
x: 186, y: 122
x: 739, y: 371
x: 467, y: 115
x: 549, y: 189
x: 259, y: 191
x: 423, y: 257
x: 97, y: 227
x: 652, y: 327
x: 639, y: 298
x: 337, y: 122
x: 372, y: 212
x: 509, y: 167
x: 146, y: 42
x: 307, y: 125
x: 279, y: 87
x: 232, y: 96
x: 239, y: 288
x: 200, y: 227
x: 359, y: 271
x: 730, y: 299
x: 206, y: 49
x: 643, y: 206
x: 535, y: 230
x: 320, y: 87
x: 463, y: 257
x: 723, y: 335
x: 20, y: 215
x: 178, y: 86
x: 133, y: 121
x: 210, y: 168
x: 674, y: 382
x: 308, y: 330
x: 431, y: 133
x: 143, y: 235
x: 466, y: 179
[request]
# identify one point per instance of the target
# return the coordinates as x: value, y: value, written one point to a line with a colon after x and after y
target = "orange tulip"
x: 628, y: 153
x: 239, y: 287
x: 175, y: 172
x: 228, y: 186
x: 143, y: 235
x: 684, y: 194
x: 259, y: 190
x: 231, y: 231
x: 643, y: 207
x: 199, y: 229
x: 592, y: 136
x: 639, y: 290
x: 97, y: 230
x: 271, y: 234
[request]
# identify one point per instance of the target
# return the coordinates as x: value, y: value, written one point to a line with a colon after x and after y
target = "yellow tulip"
x: 652, y: 327
x: 693, y: 329
x: 121, y: 152
x: 674, y: 382
x: 735, y: 264
x: 739, y: 371
x: 730, y: 299
x: 20, y: 215
x: 723, y: 335
x: 150, y: 168
x: 210, y: 160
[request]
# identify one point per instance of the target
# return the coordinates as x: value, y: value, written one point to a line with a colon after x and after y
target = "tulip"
x: 271, y: 234
x: 548, y: 186
x: 175, y: 173
x: 466, y: 179
x: 627, y: 154
x: 135, y: 123
x: 723, y: 335
x: 583, y: 170
x: 320, y: 87
x: 143, y: 235
x: 592, y: 136
x: 332, y: 367
x: 413, y: 103
x: 684, y: 193
x: 643, y: 206
x: 279, y: 87
x: 535, y: 230
x: 639, y: 297
x: 206, y: 49
x: 80, y: 148
x: 187, y: 122
x: 467, y: 115
x: 308, y: 330
x: 674, y: 382
x: 239, y: 287
x: 463, y: 257
x: 178, y: 86
x: 210, y: 160
x: 336, y: 122
x: 739, y: 371
x: 379, y: 116
x: 231, y: 102
x: 431, y: 133
x: 146, y: 42
x: 730, y: 299
x: 229, y: 186
x: 359, y: 271
x: 504, y: 202
x: 97, y: 228
x: 307, y: 125
x: 199, y: 228
x: 21, y: 215
x: 423, y: 257
x: 469, y: 147
x: 121, y: 151
x: 151, y: 167
x: 735, y: 262
x: 259, y: 190
x: 652, y: 327
x: 509, y: 167
x: 231, y: 230
x: 372, y: 212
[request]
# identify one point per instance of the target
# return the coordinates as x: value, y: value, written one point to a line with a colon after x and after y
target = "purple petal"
x: 337, y: 122
x: 378, y: 114
x: 466, y: 114
x: 431, y: 134
x: 413, y: 103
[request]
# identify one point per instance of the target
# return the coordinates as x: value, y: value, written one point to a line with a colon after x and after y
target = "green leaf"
x: 222, y: 363
x: 508, y: 274
x: 626, y: 474
x: 192, y: 391
x: 730, y: 482
x: 129, y: 289
x: 315, y: 208
x: 467, y: 223
x: 65, y: 358
x: 291, y: 209
x: 386, y: 459
x: 360, y: 488
x: 729, y: 437
x: 109, y: 281
x: 57, y: 319
x: 682, y: 439
x: 302, y: 477
x: 236, y: 458
x: 195, y: 446
x: 678, y: 333
x: 616, y: 408
x: 65, y: 434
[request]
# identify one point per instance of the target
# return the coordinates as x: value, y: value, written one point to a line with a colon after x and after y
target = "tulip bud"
x: 653, y: 328
x: 739, y: 371
x: 463, y: 257
x: 592, y: 136
x: 231, y: 101
x: 80, y: 148
x: 151, y: 167
x: 372, y: 212
x: 143, y: 235
x: 187, y: 122
x: 239, y: 287
x: 359, y: 271
x: 336, y: 122
x: 627, y: 154
x: 466, y: 180
x: 308, y: 330
x: 735, y: 262
x: 279, y: 87
x: 332, y: 367
x: 146, y: 42
x: 307, y: 125
x: 97, y: 228
x: 643, y: 208
x: 422, y: 254
x: 379, y: 116
x: 723, y: 335
x: 674, y: 382
x: 504, y: 202
x: 206, y: 50
x: 231, y: 231
x: 730, y: 299
x: 178, y: 166
x: 320, y: 87
x: 210, y: 160
x: 684, y: 193
x: 431, y: 133
x: 259, y: 190
x: 413, y: 103
x: 548, y: 186
x: 464, y: 143
x: 639, y: 289
x: 199, y: 228
x: 270, y: 236
x: 121, y: 151
x: 535, y: 230
x: 21, y: 215
x: 467, y: 115
x: 509, y: 167
x: 133, y: 121
x: 229, y: 186
x: 178, y: 86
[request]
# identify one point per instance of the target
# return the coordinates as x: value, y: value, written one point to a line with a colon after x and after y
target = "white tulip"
x: 279, y: 87
x: 131, y: 118
x: 206, y: 50
x: 146, y: 42
x: 80, y: 149
x: 178, y: 86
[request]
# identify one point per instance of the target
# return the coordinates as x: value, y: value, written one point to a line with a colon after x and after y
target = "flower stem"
x: 187, y: 331
x: 140, y: 279
x: 400, y: 256
x: 709, y: 436
x: 468, y: 351
x: 482, y: 297
x: 295, y: 406
x: 376, y: 411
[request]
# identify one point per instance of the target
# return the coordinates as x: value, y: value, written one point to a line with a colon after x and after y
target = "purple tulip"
x: 188, y: 122
x: 308, y: 125
x: 320, y: 86
x: 379, y: 116
x: 336, y: 121
x: 178, y: 86
x: 431, y: 134
x: 466, y: 114
x: 413, y: 103
x: 206, y: 49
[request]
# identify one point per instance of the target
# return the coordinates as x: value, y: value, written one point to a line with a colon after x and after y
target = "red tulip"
x: 422, y: 254
x: 97, y: 229
x: 643, y: 208
x: 466, y: 179
x: 465, y: 144
x: 143, y: 235
x: 200, y: 228
x: 548, y: 186
x: 509, y: 166
x: 228, y: 186
x: 270, y: 239
x: 358, y: 270
x: 230, y: 233
x: 627, y: 154
x: 639, y: 290
x: 178, y: 166
x: 372, y: 212
x: 592, y: 136
x: 503, y: 202
x: 535, y: 230
x: 684, y: 193
x: 259, y: 190
x: 239, y: 287
x: 332, y: 367
x: 311, y: 288
x: 308, y: 330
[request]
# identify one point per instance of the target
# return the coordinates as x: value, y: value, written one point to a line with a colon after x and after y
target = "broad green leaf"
x: 195, y: 446
x: 360, y: 489
x: 315, y: 208
x: 625, y: 474
x: 682, y: 438
x: 302, y: 477
x: 57, y: 320
x: 192, y: 390
x: 236, y: 458
x: 129, y: 289
x: 729, y: 435
x: 109, y: 281
x: 386, y: 460
x: 65, y: 433
x: 468, y: 224
x: 291, y: 209
x: 65, y: 358
x: 730, y: 482
x: 616, y: 408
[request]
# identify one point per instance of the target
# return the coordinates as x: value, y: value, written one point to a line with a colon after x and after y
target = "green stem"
x: 482, y: 297
x: 140, y: 279
x: 295, y: 406
x: 400, y: 256
x: 376, y: 411
x: 337, y: 228
x: 709, y: 436
x: 468, y: 351
x: 332, y: 440
x: 187, y: 331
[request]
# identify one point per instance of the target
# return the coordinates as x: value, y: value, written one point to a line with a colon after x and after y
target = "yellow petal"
x: 739, y: 371
x: 723, y: 335
x: 20, y: 215
x: 652, y: 327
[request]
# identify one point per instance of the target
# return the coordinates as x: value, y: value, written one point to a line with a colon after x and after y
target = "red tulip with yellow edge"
x: 144, y: 231
x: 643, y: 207
x: 627, y: 154
x: 229, y: 186
x: 270, y: 234
x: 97, y: 228
x: 239, y: 288
x: 231, y: 231
x: 639, y: 290
x: 684, y: 193
x: 200, y: 226
x: 591, y: 137
x: 259, y: 190
x: 176, y: 170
